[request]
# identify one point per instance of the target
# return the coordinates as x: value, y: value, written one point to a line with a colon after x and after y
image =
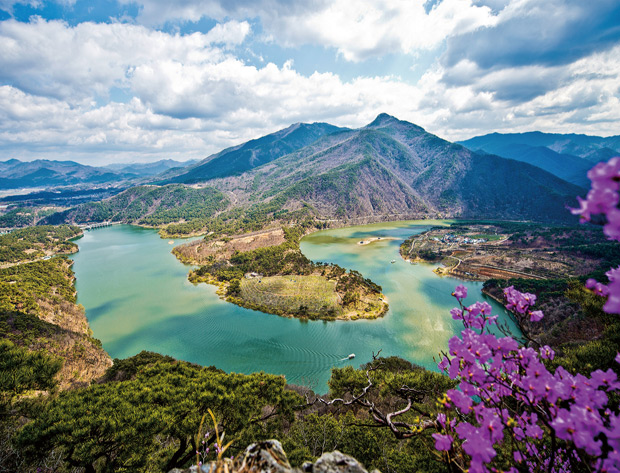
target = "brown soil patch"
x: 200, y: 251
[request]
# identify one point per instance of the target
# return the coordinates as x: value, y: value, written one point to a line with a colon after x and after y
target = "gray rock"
x: 269, y: 457
x: 264, y: 457
x: 337, y: 462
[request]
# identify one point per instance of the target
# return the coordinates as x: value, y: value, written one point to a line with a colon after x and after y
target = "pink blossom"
x: 443, y: 442
x: 460, y: 292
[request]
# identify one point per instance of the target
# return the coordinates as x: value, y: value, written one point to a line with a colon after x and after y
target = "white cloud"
x: 357, y: 30
x: 192, y: 96
x: 231, y: 33
x: 74, y: 63
x: 582, y: 97
x: 366, y: 28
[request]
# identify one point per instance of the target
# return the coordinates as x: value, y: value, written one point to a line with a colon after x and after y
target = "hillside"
x: 38, y: 307
x: 149, y: 169
x: 238, y: 159
x: 45, y: 173
x: 389, y: 169
x: 148, y: 205
x: 33, y: 243
x: 571, y: 168
x: 392, y: 167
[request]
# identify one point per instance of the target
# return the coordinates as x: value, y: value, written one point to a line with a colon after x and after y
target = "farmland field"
x: 304, y: 295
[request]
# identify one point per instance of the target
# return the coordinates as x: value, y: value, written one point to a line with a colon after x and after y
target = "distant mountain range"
x: 387, y: 169
x: 567, y: 156
x: 15, y: 174
x: 150, y: 169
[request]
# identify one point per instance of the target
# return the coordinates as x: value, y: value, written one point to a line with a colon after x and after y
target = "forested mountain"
x: 395, y: 167
x: 45, y: 173
x: 567, y: 156
x: 150, y: 169
x: 566, y: 166
x: 584, y: 146
x: 238, y: 159
x: 149, y: 205
x: 388, y: 169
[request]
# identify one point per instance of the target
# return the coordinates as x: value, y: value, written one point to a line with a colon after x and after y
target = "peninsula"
x: 266, y: 271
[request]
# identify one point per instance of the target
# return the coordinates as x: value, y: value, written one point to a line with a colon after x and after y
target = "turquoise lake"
x: 137, y: 297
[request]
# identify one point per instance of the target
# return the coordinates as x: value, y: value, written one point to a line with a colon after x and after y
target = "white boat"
x: 351, y: 356
x: 393, y: 261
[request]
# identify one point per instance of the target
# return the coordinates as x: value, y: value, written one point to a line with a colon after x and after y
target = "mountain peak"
x: 383, y: 119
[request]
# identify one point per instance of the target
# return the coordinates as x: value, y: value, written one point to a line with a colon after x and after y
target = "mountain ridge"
x: 387, y: 167
x: 245, y: 156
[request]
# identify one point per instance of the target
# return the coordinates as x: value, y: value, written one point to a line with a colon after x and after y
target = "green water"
x: 137, y: 297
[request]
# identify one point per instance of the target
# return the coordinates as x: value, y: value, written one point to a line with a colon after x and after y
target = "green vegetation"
x: 35, y: 242
x: 44, y: 335
x: 144, y: 415
x: 38, y: 309
x: 346, y: 427
x: 238, y: 220
x: 149, y: 422
x: 149, y: 205
x: 22, y: 370
x: 359, y: 297
x: 23, y: 216
x: 584, y: 337
x: 22, y: 373
x: 309, y: 296
x: 18, y: 217
x: 24, y: 286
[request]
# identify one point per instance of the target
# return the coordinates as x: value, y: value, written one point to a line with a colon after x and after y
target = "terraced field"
x: 312, y: 296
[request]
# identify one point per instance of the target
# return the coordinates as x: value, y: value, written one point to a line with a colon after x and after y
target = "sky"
x: 137, y: 81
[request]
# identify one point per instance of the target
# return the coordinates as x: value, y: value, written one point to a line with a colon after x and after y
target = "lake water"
x: 137, y: 297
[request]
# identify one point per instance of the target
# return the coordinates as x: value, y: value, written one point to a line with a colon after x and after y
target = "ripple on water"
x: 137, y: 297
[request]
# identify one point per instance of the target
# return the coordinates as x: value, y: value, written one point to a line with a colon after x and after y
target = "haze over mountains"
x: 567, y: 156
x: 387, y: 169
x: 15, y: 174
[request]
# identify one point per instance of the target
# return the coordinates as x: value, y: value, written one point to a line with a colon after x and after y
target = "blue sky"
x: 135, y: 81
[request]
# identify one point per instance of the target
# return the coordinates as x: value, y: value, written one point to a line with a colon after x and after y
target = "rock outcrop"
x: 269, y: 457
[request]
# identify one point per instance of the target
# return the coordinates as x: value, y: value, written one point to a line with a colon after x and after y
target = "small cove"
x: 137, y: 297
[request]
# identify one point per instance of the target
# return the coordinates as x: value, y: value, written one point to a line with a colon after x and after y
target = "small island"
x: 367, y: 241
x: 266, y: 271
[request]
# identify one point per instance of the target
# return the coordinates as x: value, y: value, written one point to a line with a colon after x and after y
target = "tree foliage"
x: 34, y: 242
x: 126, y: 425
x: 22, y: 370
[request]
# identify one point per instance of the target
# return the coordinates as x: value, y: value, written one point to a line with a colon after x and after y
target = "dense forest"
x: 35, y: 242
x: 148, y: 205
x: 145, y: 414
